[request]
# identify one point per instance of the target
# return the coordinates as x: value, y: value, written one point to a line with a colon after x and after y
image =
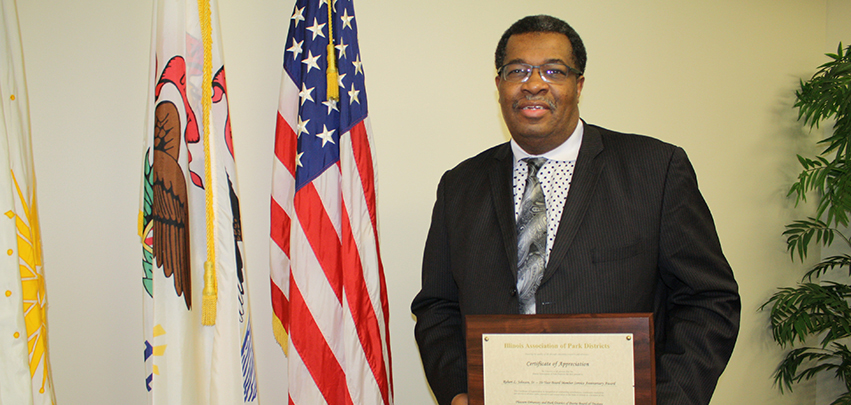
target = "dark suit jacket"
x: 635, y: 236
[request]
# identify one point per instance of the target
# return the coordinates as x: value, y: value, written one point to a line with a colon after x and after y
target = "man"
x: 626, y: 229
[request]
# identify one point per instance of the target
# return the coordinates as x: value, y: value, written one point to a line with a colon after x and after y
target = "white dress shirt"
x: 554, y: 176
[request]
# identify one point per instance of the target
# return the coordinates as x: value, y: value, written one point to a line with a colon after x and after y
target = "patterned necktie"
x: 531, y: 238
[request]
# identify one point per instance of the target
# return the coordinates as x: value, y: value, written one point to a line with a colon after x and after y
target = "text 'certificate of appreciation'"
x: 558, y: 369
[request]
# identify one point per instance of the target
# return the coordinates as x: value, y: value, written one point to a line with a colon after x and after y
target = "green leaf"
x: 814, y: 308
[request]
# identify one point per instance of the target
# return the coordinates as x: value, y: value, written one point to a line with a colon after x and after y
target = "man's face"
x: 539, y: 115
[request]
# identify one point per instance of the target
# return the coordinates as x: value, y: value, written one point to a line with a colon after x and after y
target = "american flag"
x: 329, y: 297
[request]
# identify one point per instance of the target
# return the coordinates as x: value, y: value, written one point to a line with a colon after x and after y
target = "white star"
x: 316, y: 29
x: 347, y: 19
x: 298, y: 15
x: 304, y: 94
x: 358, y: 65
x: 298, y: 159
x: 341, y: 49
x: 353, y: 95
x: 325, y: 135
x: 310, y: 61
x: 331, y: 104
x: 295, y: 49
x: 332, y: 5
x: 302, y: 125
x: 340, y: 80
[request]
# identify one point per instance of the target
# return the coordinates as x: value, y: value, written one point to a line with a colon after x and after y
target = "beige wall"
x: 714, y: 77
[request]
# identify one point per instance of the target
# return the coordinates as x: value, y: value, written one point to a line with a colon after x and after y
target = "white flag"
x: 24, y: 366
x: 198, y: 339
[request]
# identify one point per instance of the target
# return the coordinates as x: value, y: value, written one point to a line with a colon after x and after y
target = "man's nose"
x: 535, y: 83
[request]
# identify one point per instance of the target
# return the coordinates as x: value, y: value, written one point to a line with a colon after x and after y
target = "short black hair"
x: 543, y: 23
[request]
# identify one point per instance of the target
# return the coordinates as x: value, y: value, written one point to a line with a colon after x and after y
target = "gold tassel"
x: 331, y: 74
x: 211, y: 291
x: 209, y: 298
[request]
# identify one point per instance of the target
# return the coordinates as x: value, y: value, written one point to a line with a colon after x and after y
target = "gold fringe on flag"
x: 280, y: 334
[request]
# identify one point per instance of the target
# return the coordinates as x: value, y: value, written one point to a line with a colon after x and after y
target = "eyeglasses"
x: 550, y: 72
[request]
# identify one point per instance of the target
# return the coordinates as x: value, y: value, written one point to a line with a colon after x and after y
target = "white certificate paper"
x: 558, y: 369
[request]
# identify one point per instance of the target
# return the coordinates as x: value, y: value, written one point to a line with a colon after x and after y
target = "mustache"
x: 530, y: 97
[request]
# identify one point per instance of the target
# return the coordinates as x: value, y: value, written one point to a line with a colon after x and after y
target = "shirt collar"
x: 567, y: 151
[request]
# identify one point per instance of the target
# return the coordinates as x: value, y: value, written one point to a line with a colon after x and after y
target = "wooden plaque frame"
x: 640, y: 325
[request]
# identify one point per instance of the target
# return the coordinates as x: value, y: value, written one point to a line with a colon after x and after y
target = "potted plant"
x: 813, y: 318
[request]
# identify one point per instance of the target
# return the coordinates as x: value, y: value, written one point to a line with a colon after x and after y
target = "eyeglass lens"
x: 550, y: 72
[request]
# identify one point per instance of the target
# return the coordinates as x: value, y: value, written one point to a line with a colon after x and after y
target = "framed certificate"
x: 595, y: 359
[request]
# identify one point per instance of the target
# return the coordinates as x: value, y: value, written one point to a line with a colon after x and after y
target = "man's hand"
x: 460, y: 399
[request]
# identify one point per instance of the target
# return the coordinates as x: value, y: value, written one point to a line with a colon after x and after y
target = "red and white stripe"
x: 328, y: 289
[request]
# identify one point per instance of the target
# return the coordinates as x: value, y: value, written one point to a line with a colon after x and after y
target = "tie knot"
x: 534, y: 164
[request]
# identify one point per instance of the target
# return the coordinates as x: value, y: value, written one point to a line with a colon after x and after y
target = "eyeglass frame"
x: 540, y: 71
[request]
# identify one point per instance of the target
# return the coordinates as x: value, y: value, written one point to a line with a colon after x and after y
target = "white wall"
x: 714, y: 77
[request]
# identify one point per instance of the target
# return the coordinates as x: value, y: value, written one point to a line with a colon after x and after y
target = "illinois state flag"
x: 24, y: 367
x: 329, y: 297
x: 198, y: 339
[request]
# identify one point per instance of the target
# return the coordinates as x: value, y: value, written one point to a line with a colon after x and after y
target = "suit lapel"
x: 502, y: 194
x: 582, y: 186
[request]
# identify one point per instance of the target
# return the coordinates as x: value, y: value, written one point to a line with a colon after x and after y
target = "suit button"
x: 513, y: 292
